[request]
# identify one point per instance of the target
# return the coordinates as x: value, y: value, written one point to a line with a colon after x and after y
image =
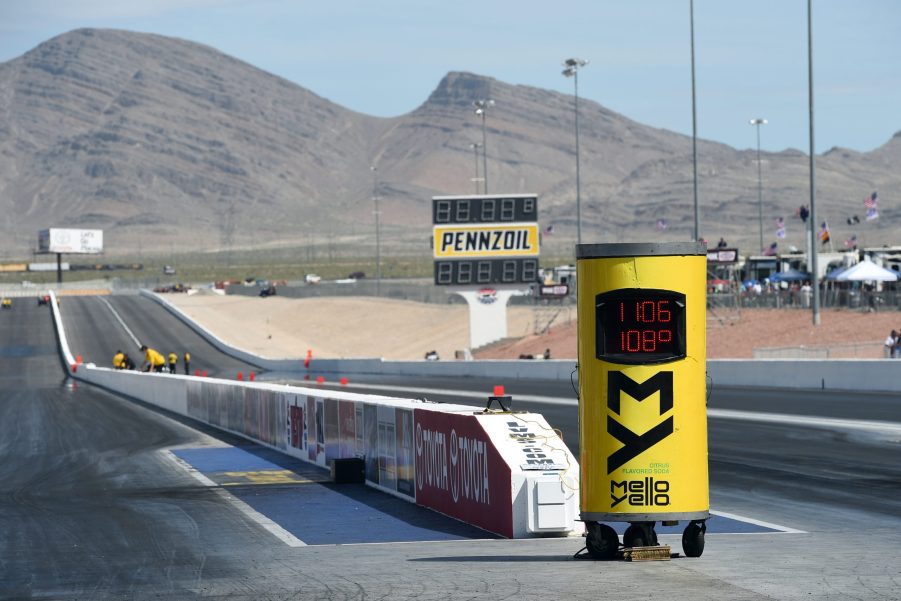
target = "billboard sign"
x: 486, y: 241
x: 722, y: 255
x: 59, y: 240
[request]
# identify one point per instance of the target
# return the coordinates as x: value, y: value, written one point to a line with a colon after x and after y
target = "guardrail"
x: 508, y: 473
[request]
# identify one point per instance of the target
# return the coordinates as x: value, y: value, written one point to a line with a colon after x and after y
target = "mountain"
x: 165, y: 143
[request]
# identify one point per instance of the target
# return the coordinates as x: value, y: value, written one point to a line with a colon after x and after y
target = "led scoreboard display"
x: 636, y: 326
x: 485, y: 240
x: 482, y: 209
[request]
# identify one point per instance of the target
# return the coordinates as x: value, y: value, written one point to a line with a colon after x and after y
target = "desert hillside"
x: 172, y: 146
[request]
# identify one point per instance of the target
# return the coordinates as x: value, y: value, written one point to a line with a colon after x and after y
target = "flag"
x: 851, y: 242
x: 871, y: 202
x: 824, y: 233
x: 661, y: 224
x: 771, y: 251
x: 780, y: 227
x: 549, y: 230
x: 872, y: 214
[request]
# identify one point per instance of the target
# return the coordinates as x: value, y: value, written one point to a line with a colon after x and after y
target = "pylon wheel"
x: 693, y: 539
x: 602, y: 541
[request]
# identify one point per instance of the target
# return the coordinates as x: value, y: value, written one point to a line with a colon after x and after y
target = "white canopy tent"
x: 865, y: 271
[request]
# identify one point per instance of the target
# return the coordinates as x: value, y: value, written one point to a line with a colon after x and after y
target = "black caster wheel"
x: 640, y: 534
x: 602, y: 541
x: 693, y: 539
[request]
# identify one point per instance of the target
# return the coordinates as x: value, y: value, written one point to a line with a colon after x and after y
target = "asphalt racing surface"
x: 104, y: 498
x: 98, y: 326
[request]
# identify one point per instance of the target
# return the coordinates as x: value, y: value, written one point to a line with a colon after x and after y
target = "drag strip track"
x: 92, y: 506
x: 89, y: 504
x: 95, y: 333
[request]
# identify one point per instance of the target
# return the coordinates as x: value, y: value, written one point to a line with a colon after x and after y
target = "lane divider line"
x: 893, y: 428
x: 120, y: 320
x: 761, y: 523
x: 248, y: 511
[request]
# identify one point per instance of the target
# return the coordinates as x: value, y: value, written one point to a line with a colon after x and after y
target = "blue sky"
x: 384, y: 57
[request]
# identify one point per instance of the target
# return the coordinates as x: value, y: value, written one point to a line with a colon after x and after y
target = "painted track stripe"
x: 761, y: 523
x: 120, y: 320
x: 893, y: 428
x: 250, y: 513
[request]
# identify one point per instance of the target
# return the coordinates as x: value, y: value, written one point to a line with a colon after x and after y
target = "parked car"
x: 312, y: 278
x: 357, y: 275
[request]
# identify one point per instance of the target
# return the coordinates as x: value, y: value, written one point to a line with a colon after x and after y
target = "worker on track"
x: 173, y: 361
x: 119, y: 360
x: 152, y: 360
x: 187, y: 363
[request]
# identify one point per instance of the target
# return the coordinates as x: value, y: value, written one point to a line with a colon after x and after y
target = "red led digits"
x: 641, y: 324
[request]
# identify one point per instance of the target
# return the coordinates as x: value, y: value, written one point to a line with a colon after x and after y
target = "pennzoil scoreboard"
x: 485, y: 240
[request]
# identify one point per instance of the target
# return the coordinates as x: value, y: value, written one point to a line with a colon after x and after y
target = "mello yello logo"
x: 634, y: 443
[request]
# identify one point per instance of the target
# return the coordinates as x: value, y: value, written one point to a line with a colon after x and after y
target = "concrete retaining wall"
x: 830, y: 374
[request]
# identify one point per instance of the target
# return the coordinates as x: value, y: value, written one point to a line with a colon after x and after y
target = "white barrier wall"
x: 829, y: 374
x: 508, y: 473
x: 826, y: 374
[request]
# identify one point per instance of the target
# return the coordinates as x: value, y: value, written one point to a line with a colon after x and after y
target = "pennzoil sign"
x: 490, y: 240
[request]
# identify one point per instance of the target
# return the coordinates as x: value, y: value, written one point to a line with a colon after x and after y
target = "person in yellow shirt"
x: 187, y: 363
x: 173, y: 360
x: 119, y: 360
x: 152, y: 360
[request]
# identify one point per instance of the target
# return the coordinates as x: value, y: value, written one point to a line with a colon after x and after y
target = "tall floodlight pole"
x: 475, y: 154
x: 572, y: 66
x: 378, y: 241
x: 758, y: 122
x: 694, y: 125
x: 813, y: 193
x: 482, y: 107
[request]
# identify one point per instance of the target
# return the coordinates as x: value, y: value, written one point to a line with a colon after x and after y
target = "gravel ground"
x: 735, y: 334
x: 372, y: 327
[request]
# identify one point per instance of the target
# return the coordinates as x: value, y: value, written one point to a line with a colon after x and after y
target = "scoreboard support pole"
x: 487, y: 313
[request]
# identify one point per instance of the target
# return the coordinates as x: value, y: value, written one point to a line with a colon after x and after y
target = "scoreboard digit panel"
x: 640, y: 326
x: 467, y: 272
x: 484, y: 209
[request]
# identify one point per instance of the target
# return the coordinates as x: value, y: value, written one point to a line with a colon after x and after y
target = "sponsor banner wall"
x: 405, y: 452
x: 255, y: 412
x: 460, y: 473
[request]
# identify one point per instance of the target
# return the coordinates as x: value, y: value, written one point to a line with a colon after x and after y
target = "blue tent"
x: 792, y: 275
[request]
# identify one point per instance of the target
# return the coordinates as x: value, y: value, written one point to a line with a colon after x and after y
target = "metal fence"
x: 853, y: 350
x: 886, y: 300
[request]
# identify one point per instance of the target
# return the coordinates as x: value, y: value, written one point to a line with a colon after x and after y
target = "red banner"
x: 459, y: 473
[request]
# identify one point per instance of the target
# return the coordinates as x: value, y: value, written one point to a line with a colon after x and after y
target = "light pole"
x: 694, y: 124
x: 475, y: 155
x: 572, y: 66
x: 378, y: 242
x: 482, y: 107
x: 758, y: 122
x: 814, y: 270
